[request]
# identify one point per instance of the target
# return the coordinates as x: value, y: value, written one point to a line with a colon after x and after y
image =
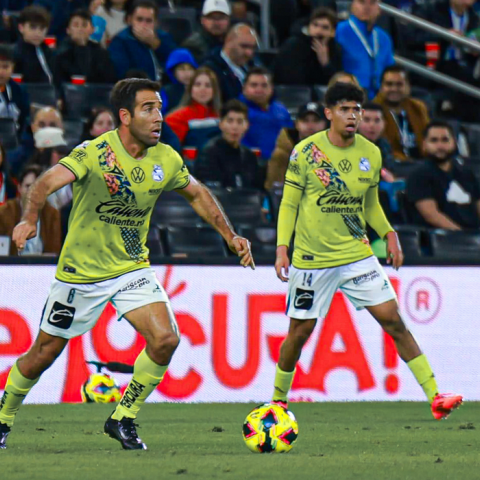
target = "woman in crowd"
x: 113, y: 12
x: 101, y: 120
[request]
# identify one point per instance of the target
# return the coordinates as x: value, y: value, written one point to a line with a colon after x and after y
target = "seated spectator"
x: 267, y: 116
x: 48, y: 239
x: 310, y: 120
x: 242, y: 14
x: 366, y: 48
x: 231, y: 63
x: 405, y: 117
x: 215, y: 22
x: 312, y: 56
x: 99, y: 23
x: 223, y: 159
x: 444, y: 191
x: 196, y: 121
x: 114, y: 13
x: 181, y: 67
x: 100, y: 121
x: 8, y: 188
x: 78, y: 55
x: 141, y: 45
x: 343, y: 77
x: 33, y: 59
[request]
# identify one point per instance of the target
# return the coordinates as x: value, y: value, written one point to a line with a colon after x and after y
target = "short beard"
x: 348, y: 135
x: 441, y: 161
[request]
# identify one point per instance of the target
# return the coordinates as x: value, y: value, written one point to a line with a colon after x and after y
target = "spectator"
x: 267, y: 116
x: 33, y: 59
x: 100, y: 121
x: 49, y: 238
x: 196, y: 121
x: 312, y: 56
x: 310, y: 120
x: 8, y: 188
x: 445, y: 192
x: 99, y: 23
x: 242, y: 14
x: 231, y: 63
x: 78, y: 55
x: 405, y: 117
x: 141, y: 45
x: 223, y: 159
x: 114, y: 13
x: 181, y: 67
x: 215, y: 21
x: 343, y: 77
x: 366, y: 49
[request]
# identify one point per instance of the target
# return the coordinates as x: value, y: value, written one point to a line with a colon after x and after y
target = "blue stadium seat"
x: 41, y: 93
x: 8, y: 133
x: 243, y: 206
x: 80, y: 99
x: 195, y: 242
x: 263, y: 240
x: 461, y: 246
x: 172, y: 209
x: 293, y: 96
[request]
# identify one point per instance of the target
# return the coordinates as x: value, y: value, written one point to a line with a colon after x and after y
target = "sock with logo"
x: 16, y: 389
x: 422, y: 371
x: 146, y: 376
x: 282, y: 384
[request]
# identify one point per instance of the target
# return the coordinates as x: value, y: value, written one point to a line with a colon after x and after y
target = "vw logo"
x: 138, y: 175
x: 345, y: 166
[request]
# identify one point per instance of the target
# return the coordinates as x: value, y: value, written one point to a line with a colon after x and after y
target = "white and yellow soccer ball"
x: 269, y: 428
x: 100, y: 388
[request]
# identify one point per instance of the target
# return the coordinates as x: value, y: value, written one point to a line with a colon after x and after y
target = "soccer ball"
x: 100, y: 388
x: 270, y: 428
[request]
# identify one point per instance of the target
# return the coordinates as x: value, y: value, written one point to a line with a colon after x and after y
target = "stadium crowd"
x: 234, y: 111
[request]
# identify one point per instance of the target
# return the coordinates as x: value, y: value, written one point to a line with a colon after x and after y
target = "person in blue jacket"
x: 141, y: 45
x: 366, y: 48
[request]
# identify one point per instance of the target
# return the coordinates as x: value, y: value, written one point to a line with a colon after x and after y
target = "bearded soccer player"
x: 117, y: 179
x: 332, y: 184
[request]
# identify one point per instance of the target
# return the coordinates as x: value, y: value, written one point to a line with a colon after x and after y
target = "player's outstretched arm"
x: 208, y: 207
x: 51, y: 181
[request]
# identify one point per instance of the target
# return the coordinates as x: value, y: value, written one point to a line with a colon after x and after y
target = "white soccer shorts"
x: 310, y: 292
x: 73, y: 309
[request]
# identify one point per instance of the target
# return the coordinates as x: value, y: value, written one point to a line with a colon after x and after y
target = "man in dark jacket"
x: 312, y: 56
x: 33, y: 59
x: 223, y: 159
x: 78, y: 55
x: 141, y: 45
x: 215, y: 22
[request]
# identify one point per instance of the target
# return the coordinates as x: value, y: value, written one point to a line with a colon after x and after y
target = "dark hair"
x: 340, y: 91
x: 94, y: 113
x: 35, y: 15
x: 142, y: 4
x: 32, y: 168
x: 42, y: 157
x: 125, y: 91
x: 323, y: 12
x: 108, y: 5
x: 136, y: 73
x: 3, y: 156
x: 258, y: 71
x: 81, y: 13
x: 234, y: 106
x: 395, y: 69
x: 373, y: 106
x: 438, y: 124
x: 6, y: 53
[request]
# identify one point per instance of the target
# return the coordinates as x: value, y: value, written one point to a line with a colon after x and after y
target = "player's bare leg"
x: 388, y: 316
x: 156, y: 323
x: 298, y: 333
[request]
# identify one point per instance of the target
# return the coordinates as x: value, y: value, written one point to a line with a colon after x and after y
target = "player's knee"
x: 165, y: 344
x: 395, y: 328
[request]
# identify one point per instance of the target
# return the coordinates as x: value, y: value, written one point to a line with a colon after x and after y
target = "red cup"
x: 432, y: 52
x: 51, y: 41
x: 17, y: 77
x: 257, y: 152
x: 190, y: 153
x: 78, y: 79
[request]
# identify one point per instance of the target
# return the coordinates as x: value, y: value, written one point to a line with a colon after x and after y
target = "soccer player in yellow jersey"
x: 117, y: 179
x: 330, y: 193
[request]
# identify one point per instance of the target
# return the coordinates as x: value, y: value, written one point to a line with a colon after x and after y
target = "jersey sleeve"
x: 78, y: 161
x: 181, y: 175
x: 295, y: 176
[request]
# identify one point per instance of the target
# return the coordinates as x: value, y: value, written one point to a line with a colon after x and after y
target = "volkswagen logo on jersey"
x: 345, y: 166
x: 138, y: 175
x: 157, y: 173
x: 364, y: 164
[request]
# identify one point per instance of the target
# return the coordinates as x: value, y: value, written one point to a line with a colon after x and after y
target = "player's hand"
x: 22, y: 232
x: 282, y: 263
x: 394, y: 250
x: 241, y: 247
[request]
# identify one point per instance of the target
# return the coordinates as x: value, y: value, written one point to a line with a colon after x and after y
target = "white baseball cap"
x: 49, y: 137
x: 222, y: 6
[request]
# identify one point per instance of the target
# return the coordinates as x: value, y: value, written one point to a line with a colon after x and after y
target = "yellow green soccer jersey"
x: 113, y: 198
x: 336, y: 192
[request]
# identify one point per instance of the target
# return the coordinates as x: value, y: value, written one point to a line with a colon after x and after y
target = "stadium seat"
x: 243, y: 206
x: 178, y: 27
x: 461, y: 246
x: 293, y: 96
x: 267, y: 57
x: 426, y: 97
x: 472, y: 131
x: 319, y: 92
x: 73, y: 132
x: 8, y: 133
x: 195, y: 242
x: 172, y: 209
x: 80, y: 99
x: 263, y: 239
x: 41, y: 93
x: 410, y: 240
x: 154, y: 242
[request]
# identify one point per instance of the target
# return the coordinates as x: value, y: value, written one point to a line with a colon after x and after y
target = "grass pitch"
x: 203, y: 441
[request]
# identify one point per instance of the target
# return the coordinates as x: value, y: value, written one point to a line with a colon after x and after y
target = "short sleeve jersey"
x: 113, y: 198
x: 331, y: 229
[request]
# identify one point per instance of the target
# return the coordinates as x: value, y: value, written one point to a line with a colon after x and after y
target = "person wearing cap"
x: 215, y: 22
x: 310, y: 120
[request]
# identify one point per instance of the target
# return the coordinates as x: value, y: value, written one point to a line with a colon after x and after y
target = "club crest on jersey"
x: 294, y: 156
x: 364, y: 164
x: 157, y: 173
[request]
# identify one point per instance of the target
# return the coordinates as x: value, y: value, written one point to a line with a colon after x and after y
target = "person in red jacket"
x: 196, y: 120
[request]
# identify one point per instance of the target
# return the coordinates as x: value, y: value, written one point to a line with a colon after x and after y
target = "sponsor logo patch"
x: 345, y: 166
x: 78, y: 155
x: 294, y: 168
x: 138, y: 175
x: 158, y: 174
x: 303, y: 299
x: 366, y: 277
x: 61, y: 316
x: 294, y: 156
x: 155, y: 191
x: 364, y: 180
x: 139, y: 283
x: 364, y: 164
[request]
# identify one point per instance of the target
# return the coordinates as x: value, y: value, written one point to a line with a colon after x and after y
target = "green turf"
x: 336, y: 441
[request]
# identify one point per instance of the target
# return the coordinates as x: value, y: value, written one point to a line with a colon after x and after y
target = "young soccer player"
x: 332, y: 183
x: 117, y: 179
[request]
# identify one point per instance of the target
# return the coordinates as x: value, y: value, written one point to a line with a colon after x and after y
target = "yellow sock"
x: 422, y: 371
x: 282, y: 384
x: 16, y: 389
x: 146, y: 376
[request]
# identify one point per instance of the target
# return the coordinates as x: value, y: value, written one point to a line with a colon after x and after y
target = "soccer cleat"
x: 4, y: 431
x: 444, y: 403
x: 125, y: 432
x: 280, y: 403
